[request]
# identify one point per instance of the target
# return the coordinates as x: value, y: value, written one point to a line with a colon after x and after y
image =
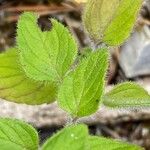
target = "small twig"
x: 51, y: 7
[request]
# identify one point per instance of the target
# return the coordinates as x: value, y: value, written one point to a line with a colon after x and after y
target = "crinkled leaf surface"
x: 111, y: 21
x: 17, y: 135
x: 16, y: 87
x: 45, y: 56
x: 127, y: 94
x: 101, y: 143
x: 69, y: 138
x: 81, y: 91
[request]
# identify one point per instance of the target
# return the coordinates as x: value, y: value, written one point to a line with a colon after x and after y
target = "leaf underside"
x: 16, y: 87
x: 111, y: 22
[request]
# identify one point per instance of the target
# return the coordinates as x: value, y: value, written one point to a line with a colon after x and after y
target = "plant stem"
x: 74, y: 120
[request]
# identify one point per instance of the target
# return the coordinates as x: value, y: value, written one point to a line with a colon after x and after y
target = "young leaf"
x: 127, y: 94
x: 17, y: 135
x: 45, y: 56
x: 72, y: 137
x: 81, y: 91
x: 101, y: 143
x: 110, y: 21
x: 16, y: 87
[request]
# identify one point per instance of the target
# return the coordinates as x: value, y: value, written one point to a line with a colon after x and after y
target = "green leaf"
x: 16, y: 87
x: 83, y: 53
x: 127, y: 94
x: 111, y: 21
x: 45, y: 56
x: 81, y: 91
x: 17, y: 135
x: 101, y: 143
x: 69, y: 138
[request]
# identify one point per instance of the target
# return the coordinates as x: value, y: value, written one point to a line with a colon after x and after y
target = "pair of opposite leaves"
x: 47, y: 58
x: 44, y: 65
x: 18, y: 135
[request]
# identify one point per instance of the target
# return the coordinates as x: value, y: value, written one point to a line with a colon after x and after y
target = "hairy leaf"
x: 16, y: 87
x: 127, y: 94
x: 72, y: 137
x: 111, y: 21
x: 101, y: 143
x: 17, y: 135
x: 45, y: 56
x: 81, y: 91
